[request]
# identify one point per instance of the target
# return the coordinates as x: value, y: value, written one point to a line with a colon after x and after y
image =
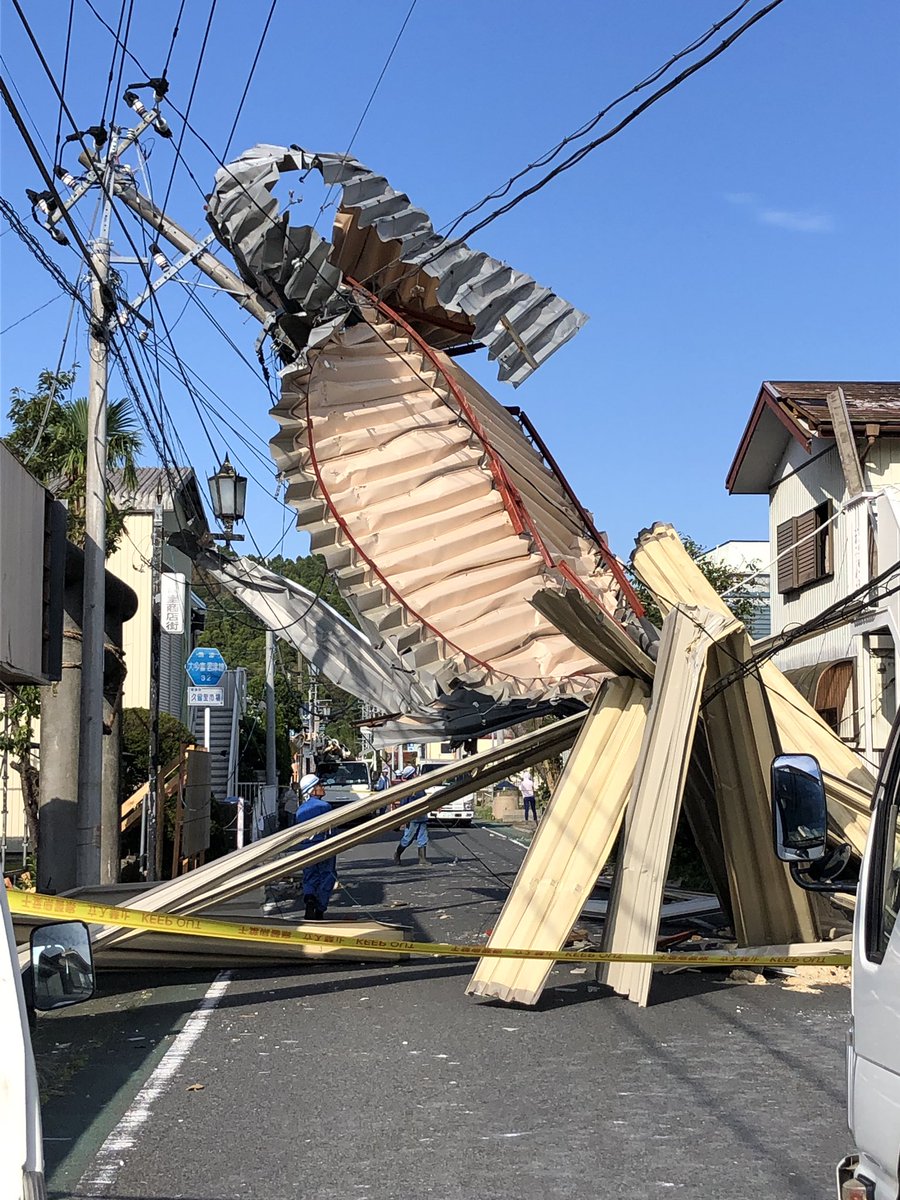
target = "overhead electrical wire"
x: 203, y: 44
x: 583, y: 151
x: 33, y: 313
x: 175, y: 30
x: 368, y: 104
x: 118, y: 89
x: 548, y: 156
x: 259, y: 48
x: 112, y: 65
x: 65, y: 75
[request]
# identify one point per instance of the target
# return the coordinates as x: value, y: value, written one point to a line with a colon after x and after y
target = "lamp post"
x: 228, y: 493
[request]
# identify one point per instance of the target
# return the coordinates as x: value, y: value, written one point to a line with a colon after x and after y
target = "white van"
x: 873, y: 1046
x: 462, y: 809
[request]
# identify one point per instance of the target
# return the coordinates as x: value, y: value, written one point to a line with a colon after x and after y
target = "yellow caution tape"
x: 35, y: 904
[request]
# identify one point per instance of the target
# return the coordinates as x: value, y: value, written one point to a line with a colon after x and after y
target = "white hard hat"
x: 308, y: 782
x: 408, y: 771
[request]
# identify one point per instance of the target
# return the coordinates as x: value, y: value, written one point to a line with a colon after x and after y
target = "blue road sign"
x: 205, y: 666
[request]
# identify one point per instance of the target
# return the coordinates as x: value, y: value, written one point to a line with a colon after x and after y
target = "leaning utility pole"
x: 95, y: 863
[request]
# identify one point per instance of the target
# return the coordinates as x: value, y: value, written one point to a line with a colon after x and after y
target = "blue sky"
x: 745, y: 228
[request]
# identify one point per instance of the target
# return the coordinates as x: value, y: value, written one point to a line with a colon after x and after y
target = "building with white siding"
x: 749, y: 562
x: 829, y: 538
x: 184, y: 517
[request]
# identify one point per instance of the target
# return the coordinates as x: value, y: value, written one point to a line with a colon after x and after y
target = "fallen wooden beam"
x: 276, y: 856
x: 767, y: 906
x: 664, y: 566
x: 570, y: 846
x: 599, y: 635
x: 632, y: 923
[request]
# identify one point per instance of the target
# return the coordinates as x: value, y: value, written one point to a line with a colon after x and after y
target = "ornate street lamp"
x: 228, y: 493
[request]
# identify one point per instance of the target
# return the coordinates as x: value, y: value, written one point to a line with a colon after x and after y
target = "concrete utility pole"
x: 271, y: 763
x: 92, y: 863
x: 150, y: 822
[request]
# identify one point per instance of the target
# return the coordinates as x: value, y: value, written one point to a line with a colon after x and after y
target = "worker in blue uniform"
x: 417, y: 827
x: 320, y: 878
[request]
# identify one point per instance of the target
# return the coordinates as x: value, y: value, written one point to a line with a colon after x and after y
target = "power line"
x: 65, y: 74
x: 209, y: 21
x: 112, y: 66
x: 175, y: 30
x: 35, y: 248
x: 118, y: 89
x: 371, y: 98
x: 240, y: 107
x: 34, y: 312
x: 583, y: 151
x: 549, y: 155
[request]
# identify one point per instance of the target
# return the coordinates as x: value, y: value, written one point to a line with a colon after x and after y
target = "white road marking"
x: 101, y: 1174
x: 506, y: 838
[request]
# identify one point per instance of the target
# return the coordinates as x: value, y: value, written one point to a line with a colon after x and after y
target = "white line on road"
x: 507, y: 838
x: 102, y: 1173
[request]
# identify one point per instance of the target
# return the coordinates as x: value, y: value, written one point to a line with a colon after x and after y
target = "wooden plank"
x: 664, y: 566
x: 767, y: 906
x: 599, y: 635
x: 846, y: 443
x: 594, y: 631
x: 570, y: 846
x: 632, y: 925
x: 275, y: 856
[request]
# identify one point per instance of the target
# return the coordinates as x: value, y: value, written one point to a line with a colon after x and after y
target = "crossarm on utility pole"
x: 208, y: 263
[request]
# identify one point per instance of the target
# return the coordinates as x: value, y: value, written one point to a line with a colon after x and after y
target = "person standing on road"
x: 417, y: 827
x: 320, y: 878
x: 526, y: 787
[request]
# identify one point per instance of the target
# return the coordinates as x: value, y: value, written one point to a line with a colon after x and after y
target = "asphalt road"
x: 385, y: 1081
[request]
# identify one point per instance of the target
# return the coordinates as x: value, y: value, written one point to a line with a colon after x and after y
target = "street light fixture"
x: 228, y: 493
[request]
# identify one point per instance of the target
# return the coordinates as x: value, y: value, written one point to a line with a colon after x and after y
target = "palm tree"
x: 49, y: 435
x: 69, y: 435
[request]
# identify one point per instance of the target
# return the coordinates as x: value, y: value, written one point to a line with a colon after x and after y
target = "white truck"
x: 61, y: 973
x: 872, y: 1172
x: 462, y: 809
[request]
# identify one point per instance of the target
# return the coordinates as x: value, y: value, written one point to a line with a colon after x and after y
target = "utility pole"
x: 150, y: 821
x: 95, y: 863
x: 271, y: 764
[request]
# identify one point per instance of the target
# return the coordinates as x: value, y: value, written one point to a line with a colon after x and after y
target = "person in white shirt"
x: 526, y: 787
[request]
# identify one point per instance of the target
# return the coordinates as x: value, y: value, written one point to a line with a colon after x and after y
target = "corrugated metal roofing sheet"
x: 437, y: 515
x: 451, y: 293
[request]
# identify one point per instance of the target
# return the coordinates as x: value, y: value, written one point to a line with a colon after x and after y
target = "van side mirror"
x: 799, y: 813
x: 62, y: 965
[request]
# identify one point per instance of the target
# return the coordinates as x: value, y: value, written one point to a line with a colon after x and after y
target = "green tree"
x: 242, y: 640
x: 49, y: 436
x: 727, y: 583
x: 51, y: 433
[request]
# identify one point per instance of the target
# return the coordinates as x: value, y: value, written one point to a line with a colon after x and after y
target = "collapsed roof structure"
x: 435, y: 508
x: 484, y: 592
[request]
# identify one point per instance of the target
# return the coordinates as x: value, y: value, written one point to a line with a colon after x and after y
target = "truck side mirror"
x: 62, y: 965
x: 799, y: 813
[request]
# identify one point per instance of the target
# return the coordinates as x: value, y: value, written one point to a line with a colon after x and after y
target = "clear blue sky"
x: 744, y: 228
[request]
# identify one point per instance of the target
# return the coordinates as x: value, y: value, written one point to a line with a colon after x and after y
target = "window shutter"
x: 787, y: 557
x: 807, y: 551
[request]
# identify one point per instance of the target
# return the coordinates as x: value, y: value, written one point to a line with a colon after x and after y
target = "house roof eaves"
x: 769, y: 401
